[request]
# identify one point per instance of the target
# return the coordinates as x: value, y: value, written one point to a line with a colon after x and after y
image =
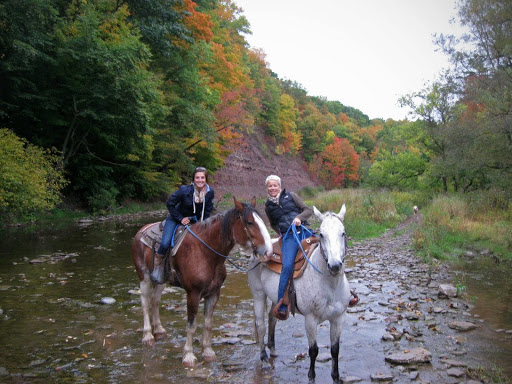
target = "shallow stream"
x: 54, y: 328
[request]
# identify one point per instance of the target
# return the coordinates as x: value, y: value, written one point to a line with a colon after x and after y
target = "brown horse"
x: 199, y: 268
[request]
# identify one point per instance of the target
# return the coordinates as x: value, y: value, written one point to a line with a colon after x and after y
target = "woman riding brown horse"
x: 199, y: 266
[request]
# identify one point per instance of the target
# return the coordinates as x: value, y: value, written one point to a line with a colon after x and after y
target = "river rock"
x: 454, y: 363
x: 415, y: 355
x: 381, y: 377
x: 351, y: 379
x: 107, y: 300
x: 446, y: 291
x: 455, y: 372
x: 324, y: 357
x: 462, y: 325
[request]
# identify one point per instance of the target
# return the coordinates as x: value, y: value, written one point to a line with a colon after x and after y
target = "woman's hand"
x: 185, y: 221
x: 297, y: 222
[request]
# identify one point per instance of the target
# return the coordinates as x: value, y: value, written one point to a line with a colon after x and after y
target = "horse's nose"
x: 335, y: 268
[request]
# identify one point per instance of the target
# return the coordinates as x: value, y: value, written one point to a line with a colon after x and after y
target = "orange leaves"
x: 199, y: 24
x: 337, y: 165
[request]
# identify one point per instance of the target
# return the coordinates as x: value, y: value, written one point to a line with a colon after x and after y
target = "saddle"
x: 275, y: 262
x: 152, y: 236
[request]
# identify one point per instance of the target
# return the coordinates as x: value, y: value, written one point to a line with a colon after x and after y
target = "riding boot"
x: 157, y: 275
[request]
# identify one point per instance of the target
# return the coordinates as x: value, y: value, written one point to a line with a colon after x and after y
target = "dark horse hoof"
x: 160, y: 336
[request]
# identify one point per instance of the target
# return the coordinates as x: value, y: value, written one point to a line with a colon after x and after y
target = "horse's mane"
x: 226, y: 218
x: 232, y: 214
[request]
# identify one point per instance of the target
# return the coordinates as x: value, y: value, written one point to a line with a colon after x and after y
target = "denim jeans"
x: 169, y: 227
x: 289, y: 250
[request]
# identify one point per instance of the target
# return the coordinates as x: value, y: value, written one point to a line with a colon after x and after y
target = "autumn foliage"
x: 337, y: 166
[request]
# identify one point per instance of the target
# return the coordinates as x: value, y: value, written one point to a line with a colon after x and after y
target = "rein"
x: 297, y: 239
x: 228, y: 258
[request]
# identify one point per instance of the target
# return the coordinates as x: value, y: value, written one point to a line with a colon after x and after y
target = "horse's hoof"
x: 149, y: 341
x: 160, y: 336
x: 189, y: 360
x: 209, y: 356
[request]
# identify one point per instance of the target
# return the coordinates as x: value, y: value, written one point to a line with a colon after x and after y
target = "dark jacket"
x: 181, y: 204
x: 290, y: 206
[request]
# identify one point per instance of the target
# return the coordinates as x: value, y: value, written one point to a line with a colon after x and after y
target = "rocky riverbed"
x: 70, y: 312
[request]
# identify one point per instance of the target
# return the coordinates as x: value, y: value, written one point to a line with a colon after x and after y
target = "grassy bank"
x: 456, y: 224
x: 369, y: 212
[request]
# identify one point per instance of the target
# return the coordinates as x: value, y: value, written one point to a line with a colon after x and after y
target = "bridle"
x: 344, y: 235
x: 254, y: 246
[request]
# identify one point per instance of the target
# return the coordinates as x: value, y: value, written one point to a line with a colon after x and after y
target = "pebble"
x: 107, y: 300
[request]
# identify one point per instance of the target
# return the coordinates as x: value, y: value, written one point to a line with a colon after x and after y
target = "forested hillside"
x: 122, y: 99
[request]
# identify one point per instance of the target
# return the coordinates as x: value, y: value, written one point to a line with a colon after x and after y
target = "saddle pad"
x: 275, y: 263
x: 152, y: 236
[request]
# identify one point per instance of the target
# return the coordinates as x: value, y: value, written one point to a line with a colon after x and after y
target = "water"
x: 54, y: 328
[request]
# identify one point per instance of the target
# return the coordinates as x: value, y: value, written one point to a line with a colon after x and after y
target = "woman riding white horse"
x: 284, y: 210
x: 322, y: 292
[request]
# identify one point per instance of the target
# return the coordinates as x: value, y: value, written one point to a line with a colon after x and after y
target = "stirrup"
x: 354, y: 300
x: 280, y: 315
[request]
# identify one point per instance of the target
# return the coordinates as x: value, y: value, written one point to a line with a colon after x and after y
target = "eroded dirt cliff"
x: 247, y: 167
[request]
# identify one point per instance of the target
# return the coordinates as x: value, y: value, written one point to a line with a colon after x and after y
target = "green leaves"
x: 29, y: 177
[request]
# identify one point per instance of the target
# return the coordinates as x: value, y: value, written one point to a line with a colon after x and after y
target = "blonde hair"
x: 273, y: 177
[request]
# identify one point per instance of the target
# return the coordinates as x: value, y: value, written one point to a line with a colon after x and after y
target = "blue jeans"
x: 289, y: 250
x: 167, y: 234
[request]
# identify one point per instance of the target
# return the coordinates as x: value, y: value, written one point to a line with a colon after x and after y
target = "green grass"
x: 369, y: 212
x: 454, y: 224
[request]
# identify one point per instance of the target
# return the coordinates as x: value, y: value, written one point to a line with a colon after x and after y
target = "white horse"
x: 323, y: 292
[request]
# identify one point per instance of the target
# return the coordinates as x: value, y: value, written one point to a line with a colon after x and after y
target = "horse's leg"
x: 189, y: 359
x: 158, y: 331
x: 145, y: 293
x: 259, y: 305
x: 311, y: 329
x: 259, y: 322
x: 209, y: 306
x: 272, y: 321
x: 335, y: 332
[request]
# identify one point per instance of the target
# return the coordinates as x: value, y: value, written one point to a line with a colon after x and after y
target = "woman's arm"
x: 306, y: 212
x: 173, y: 205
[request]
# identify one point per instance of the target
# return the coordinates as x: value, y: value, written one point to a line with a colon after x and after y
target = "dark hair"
x: 200, y: 169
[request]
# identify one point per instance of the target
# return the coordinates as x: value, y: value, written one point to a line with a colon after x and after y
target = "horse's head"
x: 255, y: 233
x: 333, y: 239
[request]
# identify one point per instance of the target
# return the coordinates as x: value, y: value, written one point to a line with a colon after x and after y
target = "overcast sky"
x: 362, y: 53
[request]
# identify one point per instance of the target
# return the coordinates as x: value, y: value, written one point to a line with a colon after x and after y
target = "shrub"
x: 30, y: 181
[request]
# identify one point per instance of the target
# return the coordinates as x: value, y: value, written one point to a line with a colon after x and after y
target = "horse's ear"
x: 318, y: 213
x: 253, y: 201
x: 341, y: 215
x: 238, y: 205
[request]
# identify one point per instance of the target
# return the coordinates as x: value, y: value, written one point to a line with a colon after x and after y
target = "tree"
x: 337, y: 166
x: 30, y: 179
x: 289, y: 138
x: 483, y: 63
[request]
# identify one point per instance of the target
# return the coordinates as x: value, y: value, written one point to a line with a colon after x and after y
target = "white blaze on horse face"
x: 267, y: 247
x: 333, y: 239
